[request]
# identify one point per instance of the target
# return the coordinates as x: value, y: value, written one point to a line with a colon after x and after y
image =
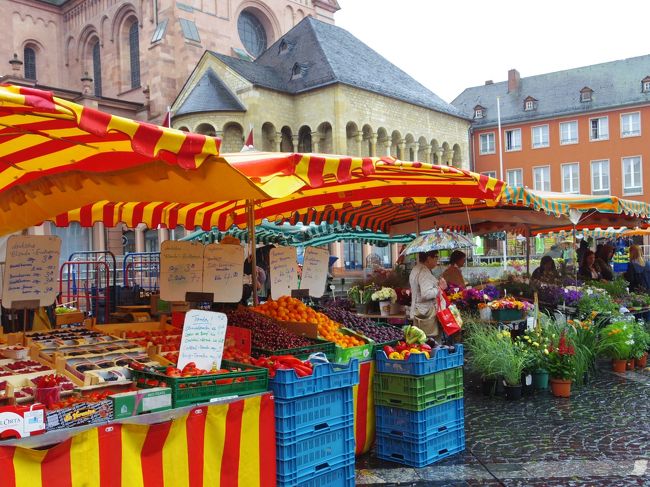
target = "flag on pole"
x: 248, y: 145
x: 167, y: 120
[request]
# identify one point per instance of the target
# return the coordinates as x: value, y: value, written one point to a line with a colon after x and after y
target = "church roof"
x: 210, y: 94
x: 315, y: 54
x: 614, y: 84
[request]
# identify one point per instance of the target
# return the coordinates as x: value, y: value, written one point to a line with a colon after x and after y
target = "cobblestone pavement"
x: 600, y: 436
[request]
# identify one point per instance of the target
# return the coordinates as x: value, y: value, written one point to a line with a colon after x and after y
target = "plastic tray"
x: 314, y: 413
x: 309, y: 454
x: 418, y: 393
x: 339, y: 474
x: 363, y: 353
x: 423, y: 452
x: 418, y: 364
x: 318, y: 345
x: 194, y: 390
x: 414, y: 425
x: 325, y: 377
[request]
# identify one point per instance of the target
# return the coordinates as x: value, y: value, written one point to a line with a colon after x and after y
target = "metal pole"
x: 505, y: 241
x: 528, y: 251
x: 250, y: 212
x: 417, y: 221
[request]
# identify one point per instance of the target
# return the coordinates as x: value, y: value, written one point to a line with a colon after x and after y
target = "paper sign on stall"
x: 314, y: 271
x: 223, y: 272
x: 284, y: 271
x: 31, y: 269
x: 181, y: 269
x: 204, y: 334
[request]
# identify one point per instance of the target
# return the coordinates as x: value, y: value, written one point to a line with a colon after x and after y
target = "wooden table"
x: 134, y: 308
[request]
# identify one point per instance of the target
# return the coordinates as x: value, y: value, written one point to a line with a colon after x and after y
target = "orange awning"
x: 308, y: 183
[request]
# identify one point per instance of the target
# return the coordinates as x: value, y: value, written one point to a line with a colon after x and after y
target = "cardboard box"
x: 22, y: 421
x: 80, y: 414
x: 127, y: 404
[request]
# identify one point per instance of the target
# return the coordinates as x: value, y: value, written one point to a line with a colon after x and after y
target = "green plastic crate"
x: 362, y: 353
x: 318, y: 345
x: 417, y: 393
x: 195, y: 390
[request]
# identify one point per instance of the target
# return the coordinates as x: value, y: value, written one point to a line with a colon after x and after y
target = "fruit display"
x: 364, y: 326
x: 168, y: 341
x: 15, y: 352
x: 294, y: 310
x: 62, y: 310
x: 266, y: 334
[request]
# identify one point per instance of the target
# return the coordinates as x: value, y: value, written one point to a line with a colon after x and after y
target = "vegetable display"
x: 403, y: 350
x: 284, y: 362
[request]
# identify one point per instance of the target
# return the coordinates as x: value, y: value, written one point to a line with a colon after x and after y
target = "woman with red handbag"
x: 425, y: 288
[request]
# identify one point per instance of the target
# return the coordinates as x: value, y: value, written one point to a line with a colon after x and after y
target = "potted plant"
x: 483, y: 345
x: 616, y: 342
x: 641, y: 344
x: 361, y: 295
x: 508, y: 308
x: 584, y: 338
x: 385, y: 296
x: 537, y: 342
x: 512, y: 360
x: 561, y: 366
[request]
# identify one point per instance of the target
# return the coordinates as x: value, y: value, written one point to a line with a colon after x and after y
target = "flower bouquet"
x: 509, y: 308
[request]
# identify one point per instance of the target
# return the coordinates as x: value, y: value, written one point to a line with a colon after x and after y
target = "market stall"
x: 250, y: 188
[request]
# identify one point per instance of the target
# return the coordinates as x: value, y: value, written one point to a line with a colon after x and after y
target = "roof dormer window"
x: 645, y: 85
x: 479, y: 111
x: 586, y: 94
x: 299, y: 70
x: 283, y: 47
x: 530, y: 104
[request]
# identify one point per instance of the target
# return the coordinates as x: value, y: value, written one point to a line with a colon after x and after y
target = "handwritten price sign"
x: 204, y: 334
x: 223, y: 272
x: 181, y: 269
x: 284, y: 271
x: 314, y: 271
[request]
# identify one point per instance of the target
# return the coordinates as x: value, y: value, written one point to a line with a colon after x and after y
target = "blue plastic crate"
x: 418, y: 364
x: 339, y: 473
x: 314, y: 413
x: 325, y: 377
x: 414, y: 425
x: 424, y: 451
x: 306, y: 454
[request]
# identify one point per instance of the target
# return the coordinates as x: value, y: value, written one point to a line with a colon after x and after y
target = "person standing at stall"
x: 588, y: 269
x: 425, y: 288
x: 638, y: 271
x: 603, y: 262
x: 453, y: 274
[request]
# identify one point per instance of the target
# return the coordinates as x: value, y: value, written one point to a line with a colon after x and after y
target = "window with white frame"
x: 515, y: 177
x: 569, y: 132
x: 486, y: 143
x: 600, y: 177
x: 630, y: 124
x: 540, y: 136
x: 599, y: 128
x: 529, y: 105
x: 571, y: 178
x: 645, y: 87
x: 491, y: 174
x: 478, y: 113
x: 542, y: 178
x: 513, y: 140
x: 632, y: 176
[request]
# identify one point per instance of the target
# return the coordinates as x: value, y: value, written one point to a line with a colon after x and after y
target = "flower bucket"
x: 395, y: 309
x: 619, y: 365
x: 360, y: 308
x: 485, y: 314
x: 488, y: 387
x: 629, y: 365
x: 507, y: 314
x: 513, y: 393
x: 561, y: 387
x: 642, y: 362
x: 384, y: 308
x: 540, y: 380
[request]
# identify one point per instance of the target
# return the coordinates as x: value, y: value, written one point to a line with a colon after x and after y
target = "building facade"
x: 583, y: 130
x: 319, y: 89
x: 132, y: 57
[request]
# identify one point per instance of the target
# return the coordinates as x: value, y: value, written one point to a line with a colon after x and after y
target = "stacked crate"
x: 314, y: 426
x: 419, y: 407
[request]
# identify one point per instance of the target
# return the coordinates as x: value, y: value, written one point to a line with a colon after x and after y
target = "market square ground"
x: 601, y: 436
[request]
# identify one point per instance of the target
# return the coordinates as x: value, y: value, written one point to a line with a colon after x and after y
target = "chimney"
x: 489, y: 82
x: 513, y: 80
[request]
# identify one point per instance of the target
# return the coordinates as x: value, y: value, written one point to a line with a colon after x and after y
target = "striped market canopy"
x: 562, y: 203
x: 373, y: 192
x: 58, y: 155
x: 302, y: 235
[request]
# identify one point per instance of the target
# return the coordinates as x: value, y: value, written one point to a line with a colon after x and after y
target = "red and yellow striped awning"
x: 375, y: 191
x: 56, y: 155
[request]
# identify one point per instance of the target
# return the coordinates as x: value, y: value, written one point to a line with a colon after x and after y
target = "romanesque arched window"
x: 134, y: 55
x: 97, y: 68
x: 29, y: 55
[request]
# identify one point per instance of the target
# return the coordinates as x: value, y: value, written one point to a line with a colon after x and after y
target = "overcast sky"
x: 449, y: 45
